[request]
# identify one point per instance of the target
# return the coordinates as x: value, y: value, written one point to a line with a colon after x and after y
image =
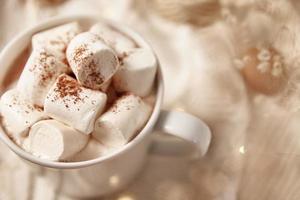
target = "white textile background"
x: 200, y: 78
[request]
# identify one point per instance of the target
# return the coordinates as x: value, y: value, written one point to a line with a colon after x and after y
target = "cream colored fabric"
x: 255, y: 149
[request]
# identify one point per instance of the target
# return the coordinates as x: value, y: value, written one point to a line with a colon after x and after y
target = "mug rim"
x: 159, y: 84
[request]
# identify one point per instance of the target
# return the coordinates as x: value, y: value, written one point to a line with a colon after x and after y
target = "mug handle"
x: 185, y: 126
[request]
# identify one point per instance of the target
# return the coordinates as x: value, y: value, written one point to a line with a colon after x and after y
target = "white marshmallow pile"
x: 81, y: 95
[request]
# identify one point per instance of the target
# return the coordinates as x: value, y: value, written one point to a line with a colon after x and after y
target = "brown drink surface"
x: 16, y: 68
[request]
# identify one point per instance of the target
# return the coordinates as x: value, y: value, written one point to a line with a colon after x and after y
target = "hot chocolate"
x: 82, y: 93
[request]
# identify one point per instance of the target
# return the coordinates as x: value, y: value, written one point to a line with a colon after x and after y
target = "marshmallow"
x: 92, y: 61
x: 122, y: 121
x: 52, y: 140
x: 40, y: 72
x: 137, y: 73
x: 18, y: 115
x: 73, y: 104
x: 92, y: 150
x: 118, y: 41
x: 56, y: 38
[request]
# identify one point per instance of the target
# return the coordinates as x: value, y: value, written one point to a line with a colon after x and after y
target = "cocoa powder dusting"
x: 47, y: 76
x: 41, y: 61
x: 94, y: 76
x: 44, y: 63
x: 68, y: 87
x: 79, y: 52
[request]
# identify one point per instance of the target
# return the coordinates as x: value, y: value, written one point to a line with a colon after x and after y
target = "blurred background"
x: 233, y: 63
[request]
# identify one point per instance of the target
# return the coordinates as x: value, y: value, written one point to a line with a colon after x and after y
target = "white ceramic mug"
x: 111, y: 172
